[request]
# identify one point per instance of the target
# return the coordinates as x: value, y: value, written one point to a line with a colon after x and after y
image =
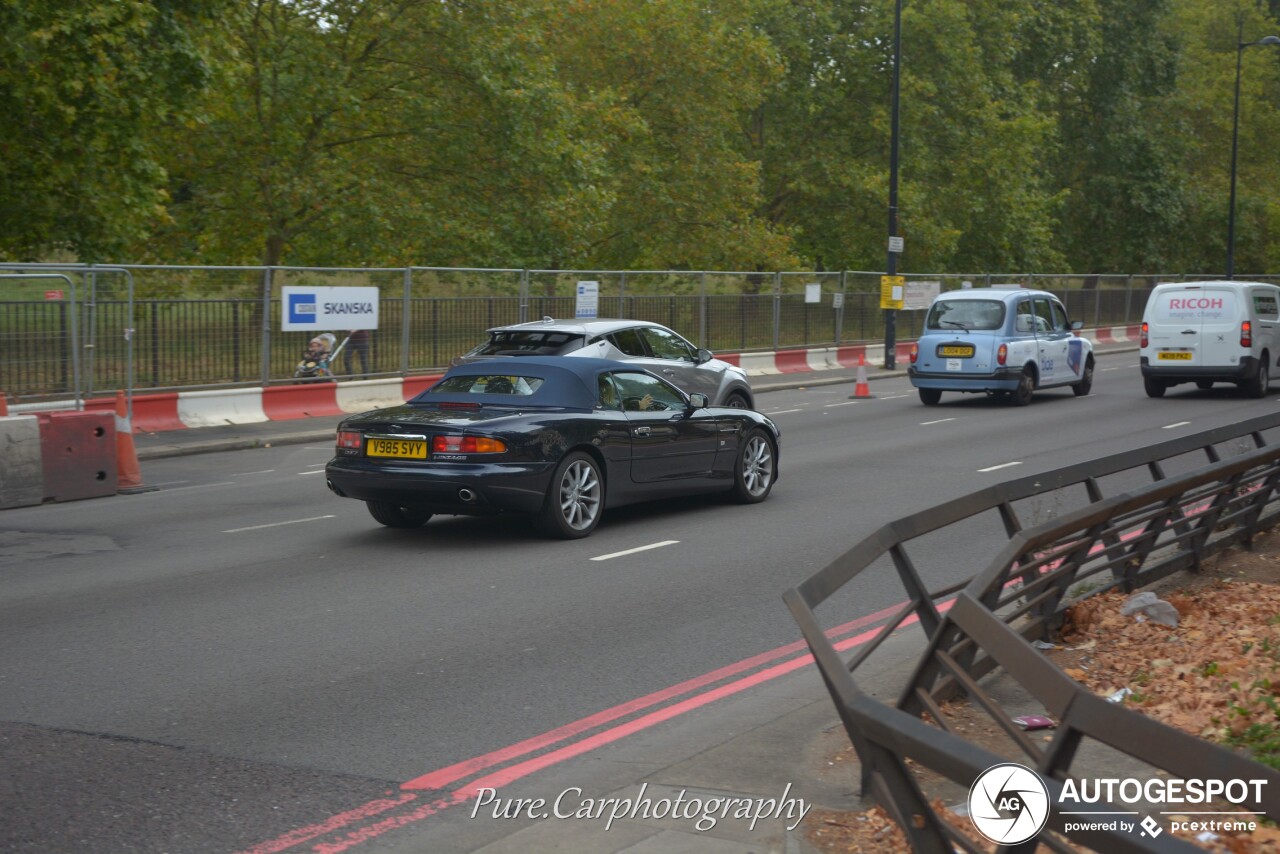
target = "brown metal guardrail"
x: 1224, y: 494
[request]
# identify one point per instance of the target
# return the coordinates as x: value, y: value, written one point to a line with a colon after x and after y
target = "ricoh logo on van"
x: 314, y: 309
x: 1196, y: 302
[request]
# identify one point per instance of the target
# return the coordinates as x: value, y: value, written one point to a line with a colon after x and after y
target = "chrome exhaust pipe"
x: 466, y: 496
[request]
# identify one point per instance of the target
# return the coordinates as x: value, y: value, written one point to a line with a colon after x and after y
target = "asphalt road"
x: 242, y: 635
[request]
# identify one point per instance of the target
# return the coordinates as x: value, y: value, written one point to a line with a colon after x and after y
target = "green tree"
x: 81, y: 87
x: 1201, y: 111
x: 976, y: 129
x: 1119, y: 167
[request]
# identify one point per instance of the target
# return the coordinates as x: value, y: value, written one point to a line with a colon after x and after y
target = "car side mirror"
x: 698, y: 400
x: 1077, y: 324
x: 704, y: 355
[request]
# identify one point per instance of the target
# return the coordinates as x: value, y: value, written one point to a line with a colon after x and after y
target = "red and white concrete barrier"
x: 772, y: 363
x: 155, y: 413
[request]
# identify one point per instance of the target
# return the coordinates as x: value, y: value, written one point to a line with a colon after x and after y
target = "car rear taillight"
x: 467, y: 445
x: 1144, y: 341
x: 348, y: 440
x: 1002, y: 355
x: 914, y: 354
x: 1246, y: 334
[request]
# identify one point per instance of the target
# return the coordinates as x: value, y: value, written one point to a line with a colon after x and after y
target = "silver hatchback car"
x: 649, y: 345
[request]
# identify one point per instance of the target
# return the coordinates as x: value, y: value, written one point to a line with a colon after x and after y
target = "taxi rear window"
x: 965, y: 314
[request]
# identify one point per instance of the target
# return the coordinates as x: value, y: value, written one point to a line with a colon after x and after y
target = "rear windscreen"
x: 531, y: 343
x: 1198, y: 305
x: 966, y: 314
x: 487, y: 384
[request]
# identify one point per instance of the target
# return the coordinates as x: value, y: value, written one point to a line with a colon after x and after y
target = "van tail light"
x: 1002, y: 355
x: 1246, y: 334
x: 914, y: 354
x: 1145, y: 341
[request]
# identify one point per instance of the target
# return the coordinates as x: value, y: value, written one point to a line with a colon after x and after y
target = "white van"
x: 1207, y: 332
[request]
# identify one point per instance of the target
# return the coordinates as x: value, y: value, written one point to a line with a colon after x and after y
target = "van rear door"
x: 1195, y: 326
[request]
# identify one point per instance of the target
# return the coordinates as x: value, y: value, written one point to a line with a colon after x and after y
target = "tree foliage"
x: 1091, y: 135
x: 82, y: 86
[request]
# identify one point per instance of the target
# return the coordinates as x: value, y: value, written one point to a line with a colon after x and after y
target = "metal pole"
x: 702, y: 309
x: 1235, y: 145
x: 266, y: 326
x: 891, y: 265
x: 406, y: 322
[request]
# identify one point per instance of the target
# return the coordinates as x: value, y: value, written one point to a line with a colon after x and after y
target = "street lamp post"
x: 891, y: 265
x: 1235, y: 144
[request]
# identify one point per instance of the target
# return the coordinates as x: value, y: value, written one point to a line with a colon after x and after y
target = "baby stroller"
x: 317, y: 359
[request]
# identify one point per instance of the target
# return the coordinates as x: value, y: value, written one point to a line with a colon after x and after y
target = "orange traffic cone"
x: 130, y: 478
x: 861, y: 389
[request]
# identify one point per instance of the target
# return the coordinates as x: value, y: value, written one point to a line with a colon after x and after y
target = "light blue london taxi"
x: 1006, y: 341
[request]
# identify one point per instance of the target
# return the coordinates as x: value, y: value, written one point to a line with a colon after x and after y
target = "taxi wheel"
x: 1086, y: 381
x: 575, y: 499
x: 930, y: 396
x: 397, y: 515
x: 1021, y: 396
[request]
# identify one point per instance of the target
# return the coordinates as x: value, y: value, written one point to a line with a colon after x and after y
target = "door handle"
x: 641, y: 431
x: 668, y: 372
x: 1188, y: 332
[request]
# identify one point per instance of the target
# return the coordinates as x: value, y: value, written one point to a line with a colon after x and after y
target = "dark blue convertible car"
x: 559, y: 439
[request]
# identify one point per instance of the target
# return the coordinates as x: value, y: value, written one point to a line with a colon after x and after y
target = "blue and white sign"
x: 314, y: 309
x: 588, y: 302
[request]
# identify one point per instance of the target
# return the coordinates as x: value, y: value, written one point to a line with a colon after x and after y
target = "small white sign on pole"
x: 837, y: 300
x: 588, y: 301
x: 813, y: 293
x: 314, y: 308
x: 895, y: 245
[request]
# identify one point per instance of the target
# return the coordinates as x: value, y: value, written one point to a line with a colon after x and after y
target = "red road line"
x: 516, y: 772
x: 311, y: 831
x: 453, y: 773
x: 440, y: 778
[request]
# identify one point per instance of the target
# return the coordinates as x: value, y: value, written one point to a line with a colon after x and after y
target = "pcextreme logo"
x: 1008, y: 803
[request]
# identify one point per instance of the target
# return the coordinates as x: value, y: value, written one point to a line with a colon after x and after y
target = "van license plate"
x: 962, y: 351
x: 1174, y: 356
x: 411, y: 449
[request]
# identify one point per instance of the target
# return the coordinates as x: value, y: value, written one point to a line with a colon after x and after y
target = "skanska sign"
x: 314, y: 309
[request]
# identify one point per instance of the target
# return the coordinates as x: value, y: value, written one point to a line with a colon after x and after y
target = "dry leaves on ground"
x: 1217, y: 676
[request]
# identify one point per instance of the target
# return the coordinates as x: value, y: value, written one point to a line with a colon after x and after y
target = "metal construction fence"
x: 81, y: 330
x: 1119, y: 522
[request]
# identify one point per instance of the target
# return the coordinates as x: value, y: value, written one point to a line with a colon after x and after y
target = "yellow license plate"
x: 956, y: 350
x: 411, y: 449
x: 1173, y: 356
